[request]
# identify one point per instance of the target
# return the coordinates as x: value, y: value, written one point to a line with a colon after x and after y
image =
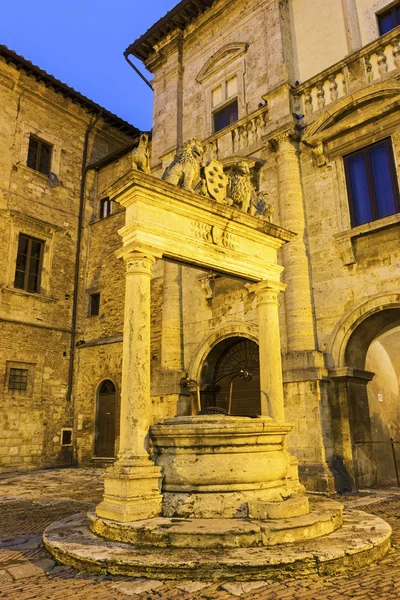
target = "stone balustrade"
x: 372, y: 63
x: 240, y: 135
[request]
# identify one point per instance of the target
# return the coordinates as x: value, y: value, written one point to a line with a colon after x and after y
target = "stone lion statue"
x: 240, y: 188
x: 140, y: 155
x: 184, y: 171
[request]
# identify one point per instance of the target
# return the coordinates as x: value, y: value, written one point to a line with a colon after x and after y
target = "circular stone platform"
x: 362, y: 539
x: 324, y: 517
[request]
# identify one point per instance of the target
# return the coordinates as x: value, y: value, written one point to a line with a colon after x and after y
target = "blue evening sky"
x: 81, y: 42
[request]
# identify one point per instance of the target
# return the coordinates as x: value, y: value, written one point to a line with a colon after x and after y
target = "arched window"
x: 104, y: 446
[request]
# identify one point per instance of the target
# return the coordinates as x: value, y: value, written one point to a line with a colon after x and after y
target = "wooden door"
x: 105, y: 421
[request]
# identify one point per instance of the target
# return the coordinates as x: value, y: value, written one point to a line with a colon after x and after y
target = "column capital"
x: 286, y: 140
x: 267, y: 291
x: 137, y: 262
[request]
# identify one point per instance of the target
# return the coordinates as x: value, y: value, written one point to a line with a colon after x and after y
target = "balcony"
x: 374, y: 62
x: 245, y: 134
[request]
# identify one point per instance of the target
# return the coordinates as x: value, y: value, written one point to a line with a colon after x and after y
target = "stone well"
x: 214, y: 465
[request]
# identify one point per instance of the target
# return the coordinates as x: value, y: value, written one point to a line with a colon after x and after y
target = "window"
x: 105, y: 208
x: 18, y: 380
x: 389, y: 19
x: 66, y: 437
x: 29, y: 262
x: 225, y: 104
x: 94, y: 305
x: 372, y: 183
x: 39, y: 155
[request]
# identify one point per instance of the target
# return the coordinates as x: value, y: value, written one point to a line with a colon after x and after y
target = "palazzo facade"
x: 306, y: 95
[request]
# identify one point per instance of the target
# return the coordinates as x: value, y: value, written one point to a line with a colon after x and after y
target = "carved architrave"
x: 223, y: 238
x: 202, y: 231
x: 214, y: 235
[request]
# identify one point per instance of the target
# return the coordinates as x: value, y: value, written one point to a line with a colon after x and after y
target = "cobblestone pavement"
x: 30, y: 502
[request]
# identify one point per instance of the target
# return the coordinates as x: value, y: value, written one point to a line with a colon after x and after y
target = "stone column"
x: 131, y: 485
x: 271, y: 386
x: 171, y: 339
x: 298, y: 302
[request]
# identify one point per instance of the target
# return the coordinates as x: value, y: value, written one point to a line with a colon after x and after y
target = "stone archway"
x: 369, y: 412
x: 224, y: 379
x: 361, y: 381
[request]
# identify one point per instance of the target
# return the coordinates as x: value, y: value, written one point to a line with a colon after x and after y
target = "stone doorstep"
x: 222, y: 533
x: 362, y: 539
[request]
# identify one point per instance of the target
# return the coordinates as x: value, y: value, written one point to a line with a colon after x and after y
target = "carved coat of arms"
x: 216, y: 180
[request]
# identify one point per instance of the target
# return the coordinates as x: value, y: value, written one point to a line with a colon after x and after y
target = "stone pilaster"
x: 352, y: 25
x: 131, y: 485
x: 298, y: 301
x: 271, y: 386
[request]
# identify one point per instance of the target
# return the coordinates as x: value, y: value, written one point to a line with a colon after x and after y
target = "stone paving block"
x: 192, y: 586
x: 137, y: 586
x: 25, y: 570
x: 240, y: 588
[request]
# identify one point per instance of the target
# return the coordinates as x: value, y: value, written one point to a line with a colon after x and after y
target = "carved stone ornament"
x: 240, y: 187
x: 208, y: 286
x: 140, y: 155
x: 214, y: 235
x: 260, y: 207
x: 184, y: 171
x: 216, y: 180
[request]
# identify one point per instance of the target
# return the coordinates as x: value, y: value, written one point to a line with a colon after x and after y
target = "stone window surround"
x: 371, y: 19
x: 339, y: 170
x: 347, y: 234
x: 45, y: 136
x: 32, y: 227
x: 30, y: 367
x: 219, y: 77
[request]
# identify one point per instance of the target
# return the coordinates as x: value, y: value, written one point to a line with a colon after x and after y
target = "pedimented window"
x: 222, y: 78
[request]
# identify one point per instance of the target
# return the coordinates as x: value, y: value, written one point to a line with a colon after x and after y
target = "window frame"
x: 91, y: 313
x: 30, y: 238
x: 37, y: 162
x: 23, y: 375
x: 386, y: 11
x: 365, y: 151
x: 226, y: 100
x: 105, y: 202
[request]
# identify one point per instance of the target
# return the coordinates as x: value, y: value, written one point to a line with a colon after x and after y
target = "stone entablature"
x: 206, y: 234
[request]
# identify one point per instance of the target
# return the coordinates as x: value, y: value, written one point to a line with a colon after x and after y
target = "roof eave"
x: 178, y: 17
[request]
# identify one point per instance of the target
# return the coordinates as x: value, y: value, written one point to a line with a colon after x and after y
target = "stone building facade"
x: 305, y: 105
x: 49, y: 134
x: 312, y: 109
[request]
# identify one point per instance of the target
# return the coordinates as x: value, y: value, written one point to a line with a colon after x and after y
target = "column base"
x: 131, y: 491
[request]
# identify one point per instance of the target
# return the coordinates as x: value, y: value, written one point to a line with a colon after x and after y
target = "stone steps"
x: 324, y: 517
x: 362, y: 539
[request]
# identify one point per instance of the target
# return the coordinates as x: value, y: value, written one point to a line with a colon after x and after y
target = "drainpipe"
x: 78, y: 256
x: 147, y: 82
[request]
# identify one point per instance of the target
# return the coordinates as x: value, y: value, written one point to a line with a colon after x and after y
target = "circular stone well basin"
x: 213, y: 464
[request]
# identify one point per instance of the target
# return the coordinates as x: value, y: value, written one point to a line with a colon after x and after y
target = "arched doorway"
x: 231, y: 377
x: 104, y: 446
x: 374, y: 402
